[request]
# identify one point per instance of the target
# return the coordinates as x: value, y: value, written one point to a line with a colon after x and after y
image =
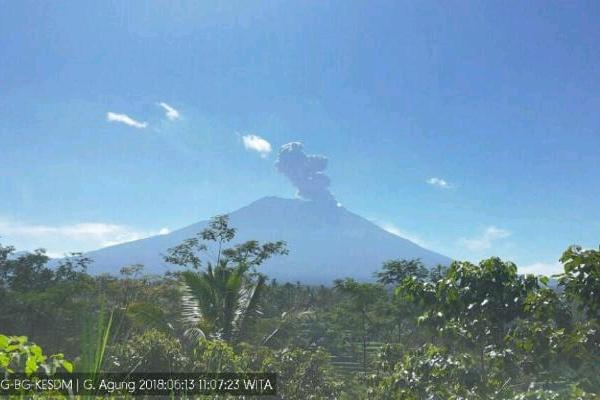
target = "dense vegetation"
x: 463, y: 332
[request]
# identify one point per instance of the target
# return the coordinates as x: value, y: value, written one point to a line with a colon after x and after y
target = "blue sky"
x: 470, y: 127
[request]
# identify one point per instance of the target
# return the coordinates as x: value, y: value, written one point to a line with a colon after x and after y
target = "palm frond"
x: 248, y: 306
x: 288, y: 319
x: 194, y: 334
x: 197, y: 305
x: 219, y: 303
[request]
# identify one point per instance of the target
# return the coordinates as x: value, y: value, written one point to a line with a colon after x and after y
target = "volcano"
x: 325, y: 242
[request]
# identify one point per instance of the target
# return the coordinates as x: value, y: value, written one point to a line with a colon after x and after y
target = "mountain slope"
x: 326, y: 242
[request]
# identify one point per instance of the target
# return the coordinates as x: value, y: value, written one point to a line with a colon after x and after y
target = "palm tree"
x: 220, y: 303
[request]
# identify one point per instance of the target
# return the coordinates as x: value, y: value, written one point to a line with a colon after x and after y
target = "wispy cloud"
x: 60, y: 239
x: 125, y: 119
x: 485, y: 240
x: 439, y: 182
x: 258, y: 144
x: 171, y: 113
x: 542, y: 268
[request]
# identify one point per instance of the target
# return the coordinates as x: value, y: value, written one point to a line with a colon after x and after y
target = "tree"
x: 477, y: 301
x: 395, y: 271
x: 581, y: 279
x: 221, y: 301
x: 303, y: 374
x: 41, y: 302
x: 362, y: 296
x: 511, y: 332
x: 249, y: 255
x: 429, y: 372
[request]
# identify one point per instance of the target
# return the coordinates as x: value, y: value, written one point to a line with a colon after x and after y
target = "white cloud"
x: 60, y: 239
x: 542, y: 268
x: 164, y: 231
x: 258, y: 144
x: 439, y: 182
x: 485, y: 241
x: 171, y: 113
x: 125, y: 119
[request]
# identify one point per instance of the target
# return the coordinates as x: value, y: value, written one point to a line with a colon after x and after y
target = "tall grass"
x: 94, y: 341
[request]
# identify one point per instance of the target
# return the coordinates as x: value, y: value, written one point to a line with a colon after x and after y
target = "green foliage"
x: 304, y: 374
x: 363, y: 300
x: 150, y: 351
x: 96, y: 335
x: 430, y: 372
x: 250, y: 254
x: 469, y: 331
x: 393, y: 272
x: 581, y: 279
x: 222, y: 301
x: 475, y: 304
x: 17, y: 354
x: 570, y: 392
x: 501, y: 331
x: 217, y: 356
x: 46, y: 303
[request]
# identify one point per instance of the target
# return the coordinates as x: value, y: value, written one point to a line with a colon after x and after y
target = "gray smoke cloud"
x: 305, y: 172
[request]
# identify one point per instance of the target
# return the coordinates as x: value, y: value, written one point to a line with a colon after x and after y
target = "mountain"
x: 325, y: 242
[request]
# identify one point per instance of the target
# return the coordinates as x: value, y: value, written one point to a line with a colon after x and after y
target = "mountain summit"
x: 325, y: 241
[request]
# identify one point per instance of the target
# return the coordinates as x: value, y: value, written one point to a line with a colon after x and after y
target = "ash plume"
x: 305, y: 172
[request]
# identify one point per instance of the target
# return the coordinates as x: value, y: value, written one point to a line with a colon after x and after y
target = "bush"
x: 17, y: 354
x: 151, y: 351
